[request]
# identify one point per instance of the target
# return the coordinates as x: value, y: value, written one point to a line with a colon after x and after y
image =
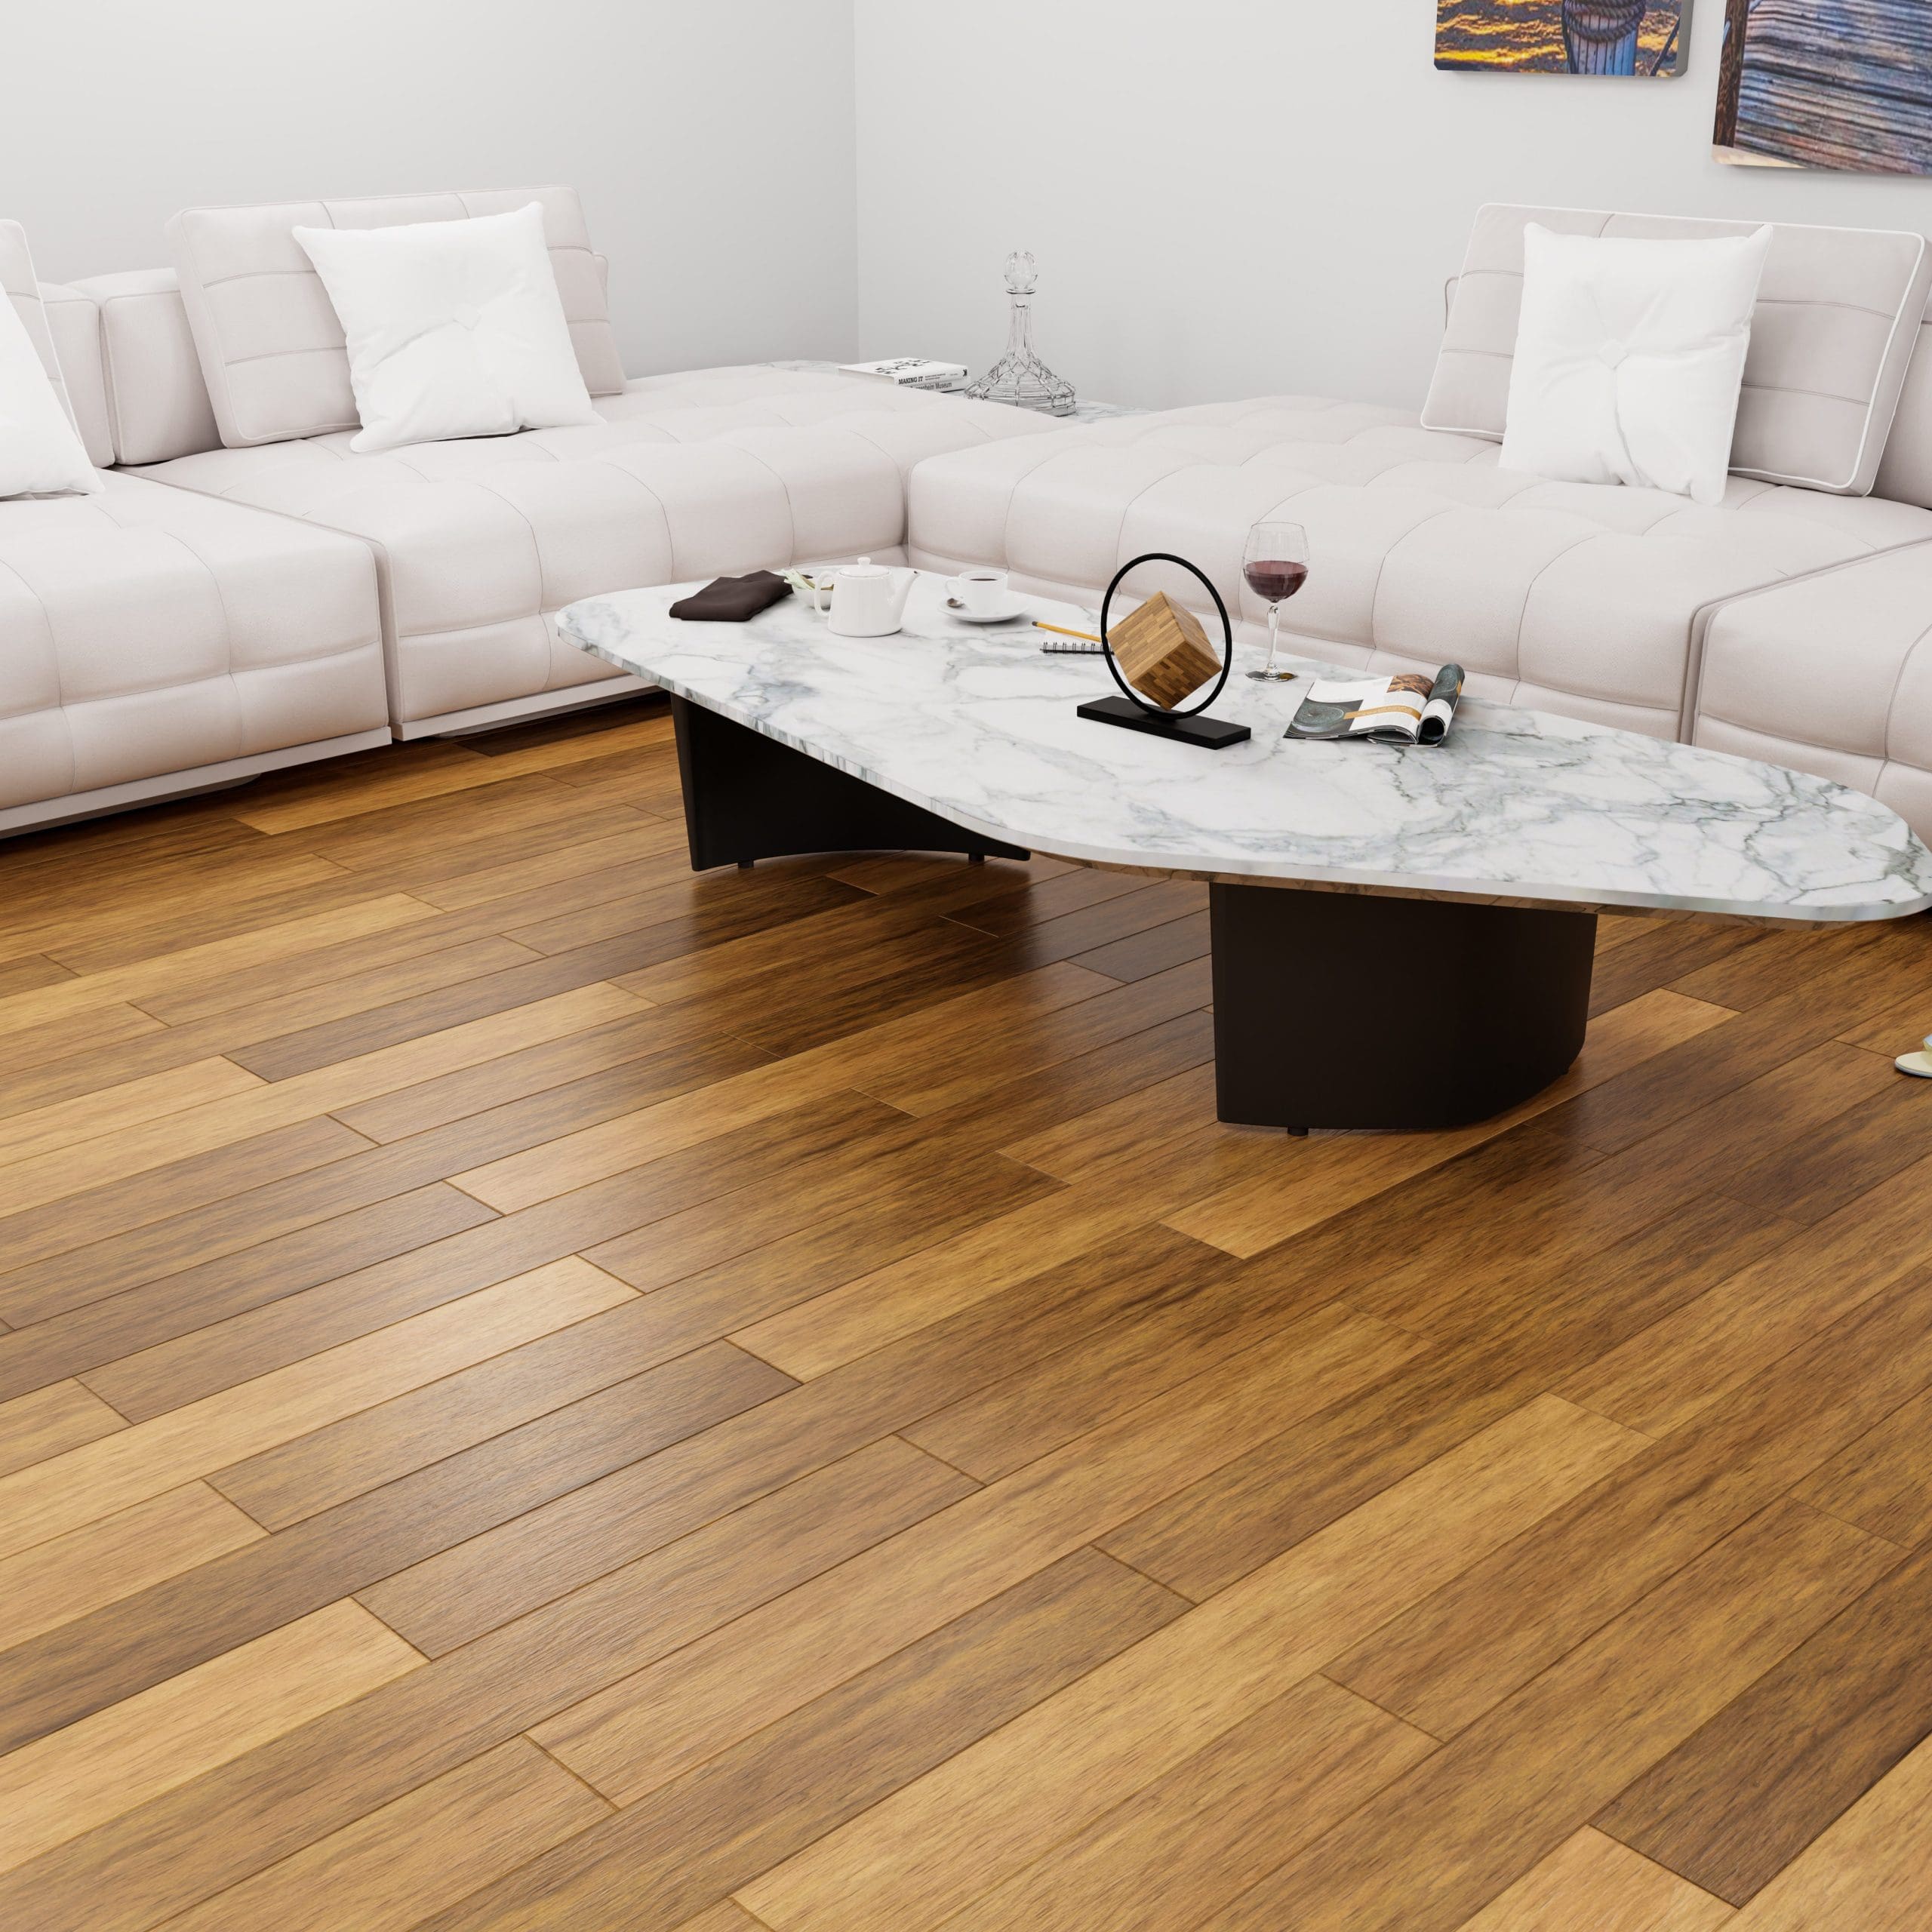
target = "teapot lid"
x: 864, y: 566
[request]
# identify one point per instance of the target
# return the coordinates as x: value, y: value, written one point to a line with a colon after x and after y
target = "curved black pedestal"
x: 1335, y: 1009
x: 748, y: 797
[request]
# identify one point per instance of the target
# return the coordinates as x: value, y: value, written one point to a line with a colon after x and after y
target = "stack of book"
x: 909, y: 372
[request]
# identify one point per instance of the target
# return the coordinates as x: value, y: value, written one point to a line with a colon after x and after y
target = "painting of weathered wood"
x: 1830, y: 83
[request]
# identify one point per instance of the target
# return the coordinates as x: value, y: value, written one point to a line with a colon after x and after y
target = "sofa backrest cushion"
x: 1837, y: 314
x: 73, y: 322
x: 1906, y: 474
x: 158, y: 404
x: 270, y: 347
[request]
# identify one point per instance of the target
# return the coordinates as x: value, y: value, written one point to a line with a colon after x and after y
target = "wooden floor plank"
x: 386, y: 1872
x: 638, y: 1734
x: 334, y: 1769
x: 78, y: 1779
x: 1735, y: 1804
x: 1592, y: 1880
x: 1429, y: 1849
x: 49, y: 1420
x: 1542, y: 1321
x: 1454, y: 1657
x: 493, y: 1579
x: 196, y: 1613
x: 58, y: 1582
x: 659, y: 1862
x: 990, y: 1811
x: 65, y: 1172
x: 1882, y: 1481
x: 1202, y: 1834
x: 175, y: 1189
x: 1873, y: 1869
x: 96, y: 1480
x: 139, y: 1347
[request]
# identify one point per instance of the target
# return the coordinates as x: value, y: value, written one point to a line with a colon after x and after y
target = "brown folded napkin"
x: 733, y: 600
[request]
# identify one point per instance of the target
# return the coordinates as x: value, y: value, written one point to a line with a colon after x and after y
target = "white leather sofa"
x: 151, y: 642
x: 1790, y: 623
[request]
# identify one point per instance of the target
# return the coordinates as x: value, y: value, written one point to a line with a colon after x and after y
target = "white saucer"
x: 1919, y: 1064
x: 966, y: 616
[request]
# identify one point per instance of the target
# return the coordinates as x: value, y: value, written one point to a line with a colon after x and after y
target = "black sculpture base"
x: 1212, y: 734
x: 1335, y: 1009
x: 748, y: 797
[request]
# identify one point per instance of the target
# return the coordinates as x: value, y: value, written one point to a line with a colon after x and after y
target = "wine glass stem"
x: 1274, y: 634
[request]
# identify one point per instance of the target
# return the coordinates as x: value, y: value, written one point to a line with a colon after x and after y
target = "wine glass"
x: 1274, y: 566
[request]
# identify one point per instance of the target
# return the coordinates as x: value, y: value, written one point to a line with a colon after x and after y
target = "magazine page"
x: 1407, y: 709
x: 1389, y: 709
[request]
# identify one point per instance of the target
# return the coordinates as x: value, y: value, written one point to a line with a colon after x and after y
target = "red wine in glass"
x: 1271, y: 578
x: 1274, y: 566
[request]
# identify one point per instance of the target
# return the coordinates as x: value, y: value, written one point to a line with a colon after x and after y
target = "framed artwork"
x: 1842, y: 84
x: 1641, y: 38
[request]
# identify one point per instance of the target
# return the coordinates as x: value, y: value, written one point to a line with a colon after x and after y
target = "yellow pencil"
x: 1060, y: 630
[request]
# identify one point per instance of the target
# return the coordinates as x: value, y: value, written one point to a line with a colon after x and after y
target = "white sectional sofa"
x: 250, y: 591
x: 151, y: 642
x: 1788, y: 622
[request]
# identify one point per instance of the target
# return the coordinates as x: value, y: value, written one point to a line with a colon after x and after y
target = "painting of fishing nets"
x: 1843, y: 84
x: 1640, y: 37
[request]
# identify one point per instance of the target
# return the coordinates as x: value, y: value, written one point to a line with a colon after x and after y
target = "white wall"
x: 711, y: 142
x: 1233, y: 197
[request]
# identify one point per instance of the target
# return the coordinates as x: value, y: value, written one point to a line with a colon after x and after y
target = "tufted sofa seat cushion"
x: 147, y: 632
x: 482, y: 542
x: 1574, y: 597
x: 1832, y: 674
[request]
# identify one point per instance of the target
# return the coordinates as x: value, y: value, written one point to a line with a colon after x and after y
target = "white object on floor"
x: 1919, y: 1064
x: 455, y: 328
x: 1629, y: 359
x: 40, y: 453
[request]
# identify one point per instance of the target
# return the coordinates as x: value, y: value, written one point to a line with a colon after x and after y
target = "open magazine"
x: 1410, y: 709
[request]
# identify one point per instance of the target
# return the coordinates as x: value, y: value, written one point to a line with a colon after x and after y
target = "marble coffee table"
x: 1401, y: 938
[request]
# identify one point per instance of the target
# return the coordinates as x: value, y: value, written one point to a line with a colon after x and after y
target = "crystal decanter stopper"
x: 1019, y: 376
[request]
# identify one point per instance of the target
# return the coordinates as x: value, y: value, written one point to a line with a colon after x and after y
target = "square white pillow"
x: 1630, y: 359
x: 40, y: 451
x: 455, y: 328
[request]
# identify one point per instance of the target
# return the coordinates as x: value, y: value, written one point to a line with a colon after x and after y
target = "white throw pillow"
x: 40, y: 453
x: 1630, y: 359
x: 455, y: 328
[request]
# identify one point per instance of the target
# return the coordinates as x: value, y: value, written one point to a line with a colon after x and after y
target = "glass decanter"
x: 1019, y: 377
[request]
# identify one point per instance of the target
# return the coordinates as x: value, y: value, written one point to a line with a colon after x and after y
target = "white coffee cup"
x: 983, y: 592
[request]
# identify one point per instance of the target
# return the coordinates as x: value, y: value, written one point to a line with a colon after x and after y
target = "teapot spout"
x: 904, y: 581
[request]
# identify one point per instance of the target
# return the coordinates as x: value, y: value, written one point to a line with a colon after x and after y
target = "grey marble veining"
x: 978, y: 726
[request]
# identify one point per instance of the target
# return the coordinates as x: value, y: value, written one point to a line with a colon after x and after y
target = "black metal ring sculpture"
x: 1132, y: 696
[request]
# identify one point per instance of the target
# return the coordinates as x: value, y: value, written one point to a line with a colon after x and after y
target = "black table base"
x: 1331, y: 1009
x: 748, y: 797
x: 1341, y: 1009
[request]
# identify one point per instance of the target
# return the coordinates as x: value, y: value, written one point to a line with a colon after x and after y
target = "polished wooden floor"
x: 539, y: 1390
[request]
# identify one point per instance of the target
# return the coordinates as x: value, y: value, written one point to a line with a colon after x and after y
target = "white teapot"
x: 867, y: 600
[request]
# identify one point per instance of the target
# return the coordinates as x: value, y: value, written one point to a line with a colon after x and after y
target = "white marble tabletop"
x: 1517, y: 806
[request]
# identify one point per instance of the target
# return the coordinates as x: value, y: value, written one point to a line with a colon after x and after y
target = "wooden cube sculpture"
x: 1163, y: 652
